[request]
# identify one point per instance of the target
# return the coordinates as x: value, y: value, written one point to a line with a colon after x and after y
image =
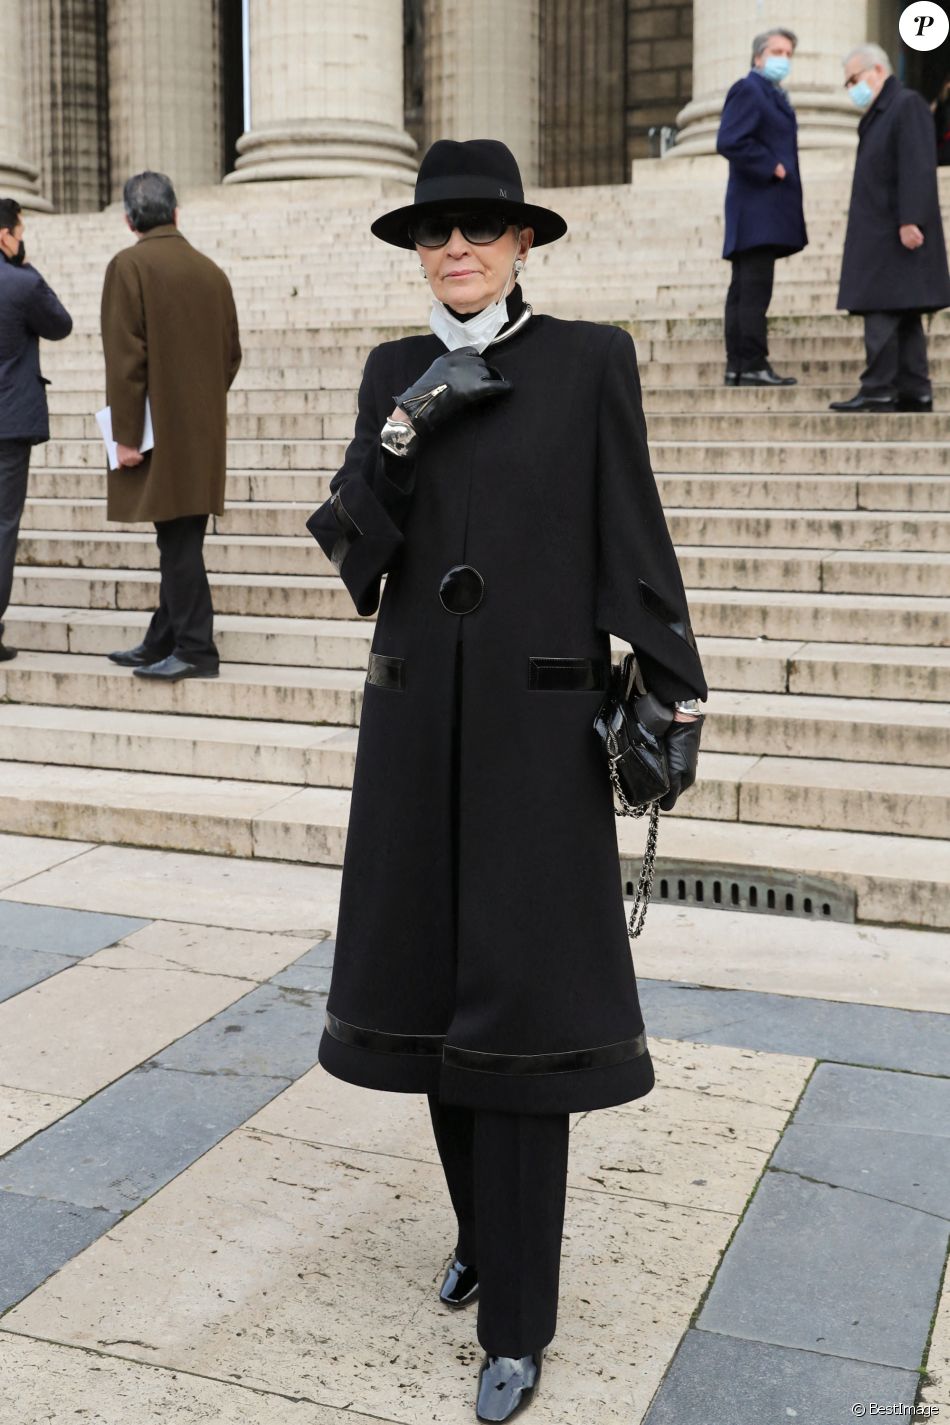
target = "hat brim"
x: 394, y: 227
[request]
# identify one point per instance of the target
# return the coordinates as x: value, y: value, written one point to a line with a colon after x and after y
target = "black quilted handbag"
x: 631, y: 724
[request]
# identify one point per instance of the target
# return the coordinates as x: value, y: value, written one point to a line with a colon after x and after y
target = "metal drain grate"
x: 740, y: 888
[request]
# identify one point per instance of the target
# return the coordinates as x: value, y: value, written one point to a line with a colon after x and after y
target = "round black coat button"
x: 461, y: 589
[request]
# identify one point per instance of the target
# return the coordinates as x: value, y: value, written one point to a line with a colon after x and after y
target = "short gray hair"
x: 760, y: 41
x: 872, y: 54
x: 149, y: 200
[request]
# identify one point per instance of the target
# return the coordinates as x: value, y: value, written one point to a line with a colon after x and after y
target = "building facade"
x: 238, y: 91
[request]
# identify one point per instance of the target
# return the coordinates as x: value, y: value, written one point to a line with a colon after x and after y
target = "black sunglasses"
x: 479, y: 228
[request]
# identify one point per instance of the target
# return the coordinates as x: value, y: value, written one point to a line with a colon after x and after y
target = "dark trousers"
x: 183, y: 623
x: 747, y: 303
x: 896, y: 349
x: 507, y: 1179
x: 14, y: 474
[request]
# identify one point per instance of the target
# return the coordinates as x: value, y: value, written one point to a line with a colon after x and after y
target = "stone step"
x: 897, y: 878
x: 303, y: 640
x: 262, y: 595
x: 777, y: 790
x: 772, y: 492
x: 257, y: 524
x: 859, y: 455
x: 789, y: 570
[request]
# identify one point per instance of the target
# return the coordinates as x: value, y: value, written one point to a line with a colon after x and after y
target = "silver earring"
x: 422, y: 269
x: 519, y: 266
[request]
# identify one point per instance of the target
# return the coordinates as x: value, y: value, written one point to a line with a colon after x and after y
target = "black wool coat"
x: 482, y: 951
x: 895, y: 182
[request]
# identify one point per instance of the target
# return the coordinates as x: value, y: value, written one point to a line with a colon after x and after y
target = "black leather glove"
x: 682, y: 755
x: 454, y: 381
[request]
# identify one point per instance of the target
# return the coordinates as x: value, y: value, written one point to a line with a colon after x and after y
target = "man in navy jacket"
x: 29, y: 309
x: 758, y: 133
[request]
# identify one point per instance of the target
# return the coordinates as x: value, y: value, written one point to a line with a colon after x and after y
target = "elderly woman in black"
x: 499, y: 477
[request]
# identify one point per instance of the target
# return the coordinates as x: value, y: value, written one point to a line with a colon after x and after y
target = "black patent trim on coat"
x: 655, y: 604
x: 602, y: 1056
x: 385, y: 671
x: 583, y: 675
x: 349, y: 531
x: 383, y: 1041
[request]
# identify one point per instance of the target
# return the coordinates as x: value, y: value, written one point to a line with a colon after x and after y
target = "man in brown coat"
x: 169, y: 331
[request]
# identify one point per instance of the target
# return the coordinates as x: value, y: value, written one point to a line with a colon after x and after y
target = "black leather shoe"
x: 506, y: 1384
x: 137, y: 657
x: 172, y: 670
x: 460, y: 1285
x: 731, y: 379
x: 6, y: 653
x: 860, y: 402
x: 914, y: 403
x: 765, y: 376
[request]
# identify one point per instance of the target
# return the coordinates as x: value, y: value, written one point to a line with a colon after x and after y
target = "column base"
x: 824, y: 121
x: 18, y: 181
x: 353, y: 150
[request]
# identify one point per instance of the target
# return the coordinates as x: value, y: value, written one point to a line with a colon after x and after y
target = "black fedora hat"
x: 477, y: 174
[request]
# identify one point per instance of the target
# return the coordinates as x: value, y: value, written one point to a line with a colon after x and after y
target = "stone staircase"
x: 814, y: 548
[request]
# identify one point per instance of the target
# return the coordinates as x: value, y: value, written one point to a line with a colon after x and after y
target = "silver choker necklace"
x: 516, y: 325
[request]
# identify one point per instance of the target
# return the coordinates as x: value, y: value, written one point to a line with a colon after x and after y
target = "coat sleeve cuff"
x: 358, y: 537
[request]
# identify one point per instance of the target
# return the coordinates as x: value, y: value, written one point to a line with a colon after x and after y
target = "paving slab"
x: 700, y: 1139
x: 21, y: 968
x: 79, y: 1030
x: 123, y: 1144
x: 717, y: 1378
x: 23, y: 1113
x: 195, y: 888
x: 868, y: 1035
x: 258, y: 1263
x: 37, y: 1237
x: 207, y: 950
x: 273, y: 1030
x: 935, y: 1391
x: 26, y: 926
x: 829, y: 1270
x: 44, y: 1382
x: 24, y: 856
x: 860, y: 964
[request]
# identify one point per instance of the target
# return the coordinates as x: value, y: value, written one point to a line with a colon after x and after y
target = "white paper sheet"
x: 104, y: 420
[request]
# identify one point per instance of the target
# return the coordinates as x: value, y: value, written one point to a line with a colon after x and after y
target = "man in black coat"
x: 895, y: 261
x: 758, y: 133
x: 29, y: 309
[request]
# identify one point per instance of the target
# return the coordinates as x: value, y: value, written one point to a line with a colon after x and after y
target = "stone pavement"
x: 199, y: 1225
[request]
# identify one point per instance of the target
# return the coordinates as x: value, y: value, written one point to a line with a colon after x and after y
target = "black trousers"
x: 896, y: 349
x: 183, y: 623
x: 507, y: 1179
x: 14, y: 475
x: 747, y: 305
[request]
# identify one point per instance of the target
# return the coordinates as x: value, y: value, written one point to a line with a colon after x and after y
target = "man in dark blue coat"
x: 29, y: 309
x: 895, y: 259
x: 758, y: 133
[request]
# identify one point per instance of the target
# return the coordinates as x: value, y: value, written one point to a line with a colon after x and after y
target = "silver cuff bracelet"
x: 398, y: 437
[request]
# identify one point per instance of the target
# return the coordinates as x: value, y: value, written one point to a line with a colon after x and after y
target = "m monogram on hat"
x: 476, y: 174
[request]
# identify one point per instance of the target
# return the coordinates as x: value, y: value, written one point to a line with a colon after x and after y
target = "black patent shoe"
x: 172, y: 670
x: 860, y: 402
x: 460, y: 1285
x: 914, y: 403
x: 138, y: 657
x: 765, y: 376
x: 506, y: 1384
x: 731, y: 379
x: 6, y: 652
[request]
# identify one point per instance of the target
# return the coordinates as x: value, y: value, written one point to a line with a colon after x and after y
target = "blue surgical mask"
x: 776, y: 68
x: 861, y: 94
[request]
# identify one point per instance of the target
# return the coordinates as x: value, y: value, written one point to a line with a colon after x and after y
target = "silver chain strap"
x: 648, y: 865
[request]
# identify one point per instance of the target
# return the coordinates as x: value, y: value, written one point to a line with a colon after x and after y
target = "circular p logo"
x: 924, y: 25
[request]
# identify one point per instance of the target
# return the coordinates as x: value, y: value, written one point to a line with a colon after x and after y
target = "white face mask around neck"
x: 480, y: 330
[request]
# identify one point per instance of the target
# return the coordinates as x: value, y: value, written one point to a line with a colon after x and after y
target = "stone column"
x: 164, y: 91
x: 65, y: 76
x: 482, y: 75
x: 723, y: 31
x: 326, y: 92
x: 17, y: 174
